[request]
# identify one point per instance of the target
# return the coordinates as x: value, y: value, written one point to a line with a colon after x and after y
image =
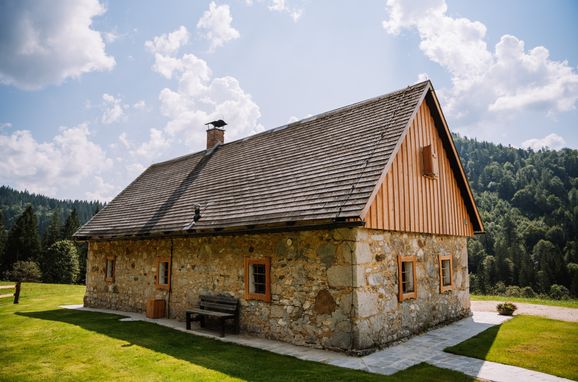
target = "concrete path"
x: 553, y: 312
x: 427, y: 347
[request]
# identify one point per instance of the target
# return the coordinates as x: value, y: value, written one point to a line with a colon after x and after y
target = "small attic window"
x: 430, y: 161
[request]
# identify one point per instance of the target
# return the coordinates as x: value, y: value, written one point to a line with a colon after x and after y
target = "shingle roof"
x: 321, y: 168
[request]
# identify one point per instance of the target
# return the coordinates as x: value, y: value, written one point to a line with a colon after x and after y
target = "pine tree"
x: 71, y: 225
x: 2, y: 237
x: 53, y: 232
x: 23, y: 242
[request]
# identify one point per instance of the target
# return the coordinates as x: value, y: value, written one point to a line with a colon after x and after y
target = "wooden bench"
x: 222, y: 308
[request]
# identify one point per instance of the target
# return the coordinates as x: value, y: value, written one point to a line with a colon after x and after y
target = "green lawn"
x: 536, y: 343
x: 39, y: 341
x: 540, y: 301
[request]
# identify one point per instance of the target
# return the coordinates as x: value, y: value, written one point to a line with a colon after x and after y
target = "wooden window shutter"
x: 430, y: 161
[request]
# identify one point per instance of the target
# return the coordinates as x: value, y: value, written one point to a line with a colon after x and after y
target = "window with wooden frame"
x: 446, y: 273
x: 163, y: 276
x: 406, y: 269
x: 109, y: 269
x: 258, y: 279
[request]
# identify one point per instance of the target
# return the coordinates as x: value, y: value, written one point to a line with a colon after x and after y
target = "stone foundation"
x: 334, y: 289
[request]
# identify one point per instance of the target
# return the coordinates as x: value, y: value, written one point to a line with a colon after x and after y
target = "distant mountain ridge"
x: 14, y: 202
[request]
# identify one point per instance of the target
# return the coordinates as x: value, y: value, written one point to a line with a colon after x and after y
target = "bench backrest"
x: 224, y: 304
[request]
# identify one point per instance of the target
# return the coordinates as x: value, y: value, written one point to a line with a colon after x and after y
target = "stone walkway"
x: 553, y: 312
x: 427, y: 347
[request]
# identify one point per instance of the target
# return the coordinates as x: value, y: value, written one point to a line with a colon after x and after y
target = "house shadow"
x: 233, y: 360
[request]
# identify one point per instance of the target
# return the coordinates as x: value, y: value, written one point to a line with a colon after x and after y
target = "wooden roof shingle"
x: 321, y: 168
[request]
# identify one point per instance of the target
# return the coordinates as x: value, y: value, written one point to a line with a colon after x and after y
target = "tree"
x: 71, y: 225
x: 2, y: 237
x: 53, y: 232
x: 23, y: 242
x: 24, y: 271
x: 60, y: 264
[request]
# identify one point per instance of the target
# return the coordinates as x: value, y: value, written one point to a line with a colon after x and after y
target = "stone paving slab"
x: 427, y: 347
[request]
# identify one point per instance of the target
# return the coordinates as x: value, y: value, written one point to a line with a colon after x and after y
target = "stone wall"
x: 311, y: 276
x: 380, y: 317
x: 333, y: 289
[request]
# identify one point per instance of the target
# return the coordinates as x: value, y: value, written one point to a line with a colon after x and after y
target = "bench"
x: 221, y: 308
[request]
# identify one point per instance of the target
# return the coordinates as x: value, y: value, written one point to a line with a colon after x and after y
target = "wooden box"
x: 155, y: 308
x: 430, y: 161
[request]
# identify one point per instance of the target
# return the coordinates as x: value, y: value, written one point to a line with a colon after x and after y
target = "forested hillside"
x: 529, y: 204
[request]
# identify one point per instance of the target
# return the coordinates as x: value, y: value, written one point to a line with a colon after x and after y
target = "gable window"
x: 406, y: 277
x: 109, y: 270
x: 446, y: 273
x: 163, y: 277
x: 258, y: 279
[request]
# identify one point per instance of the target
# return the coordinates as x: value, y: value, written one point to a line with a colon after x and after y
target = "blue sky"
x: 91, y: 92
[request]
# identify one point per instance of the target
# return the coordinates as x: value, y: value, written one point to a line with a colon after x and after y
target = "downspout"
x: 170, y: 281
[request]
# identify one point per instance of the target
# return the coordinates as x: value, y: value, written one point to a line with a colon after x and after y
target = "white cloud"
x: 139, y: 105
x: 5, y: 125
x: 198, y: 98
x: 215, y: 26
x: 114, y: 110
x: 552, y: 141
x: 101, y: 190
x: 485, y: 83
x: 284, y: 7
x: 50, y: 167
x: 45, y: 43
x: 170, y: 43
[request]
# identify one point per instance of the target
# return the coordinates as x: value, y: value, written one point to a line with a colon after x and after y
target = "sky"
x: 92, y: 92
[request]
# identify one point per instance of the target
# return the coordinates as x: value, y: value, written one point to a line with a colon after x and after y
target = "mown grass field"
x: 536, y: 343
x: 540, y: 301
x: 40, y: 341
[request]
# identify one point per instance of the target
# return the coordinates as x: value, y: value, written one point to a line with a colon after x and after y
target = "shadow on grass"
x: 236, y: 361
x: 478, y: 346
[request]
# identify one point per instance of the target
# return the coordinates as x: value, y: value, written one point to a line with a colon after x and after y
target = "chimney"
x: 215, y: 133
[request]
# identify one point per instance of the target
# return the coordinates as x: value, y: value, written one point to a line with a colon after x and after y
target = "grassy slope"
x: 39, y: 341
x: 535, y: 343
x: 540, y: 301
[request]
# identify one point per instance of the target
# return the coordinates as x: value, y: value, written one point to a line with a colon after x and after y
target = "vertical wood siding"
x: 410, y: 202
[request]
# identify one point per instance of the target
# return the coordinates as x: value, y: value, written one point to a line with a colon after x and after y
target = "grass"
x: 39, y: 341
x: 536, y: 343
x: 541, y: 301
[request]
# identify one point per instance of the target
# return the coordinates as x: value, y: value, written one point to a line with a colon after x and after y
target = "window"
x: 406, y: 277
x: 446, y: 273
x: 163, y: 277
x: 109, y: 270
x: 258, y: 279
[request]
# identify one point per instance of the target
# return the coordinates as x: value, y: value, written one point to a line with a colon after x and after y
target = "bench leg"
x: 222, y: 327
x: 188, y: 319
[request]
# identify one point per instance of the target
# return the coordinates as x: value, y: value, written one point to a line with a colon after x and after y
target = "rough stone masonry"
x: 334, y: 289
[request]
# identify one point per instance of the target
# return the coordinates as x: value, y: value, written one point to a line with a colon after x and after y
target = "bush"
x: 513, y: 291
x: 60, y: 263
x: 506, y: 308
x: 528, y: 292
x: 499, y: 289
x: 559, y: 292
x: 24, y: 271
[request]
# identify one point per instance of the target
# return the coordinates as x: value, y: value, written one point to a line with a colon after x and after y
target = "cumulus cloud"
x: 197, y: 98
x: 5, y: 125
x: 114, y: 110
x: 215, y: 26
x: 485, y: 82
x: 168, y: 43
x: 45, y: 43
x: 48, y: 167
x: 551, y: 141
x: 101, y: 190
x: 139, y: 105
x: 284, y: 7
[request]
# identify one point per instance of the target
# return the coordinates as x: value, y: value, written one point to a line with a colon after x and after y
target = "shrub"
x: 24, y: 271
x: 506, y: 308
x: 60, y: 263
x: 528, y: 292
x: 513, y: 291
x: 559, y: 292
x: 499, y: 289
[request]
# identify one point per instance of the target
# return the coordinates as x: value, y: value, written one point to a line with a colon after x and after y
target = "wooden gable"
x: 420, y: 191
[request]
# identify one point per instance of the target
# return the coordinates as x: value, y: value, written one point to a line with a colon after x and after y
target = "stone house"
x: 346, y: 230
